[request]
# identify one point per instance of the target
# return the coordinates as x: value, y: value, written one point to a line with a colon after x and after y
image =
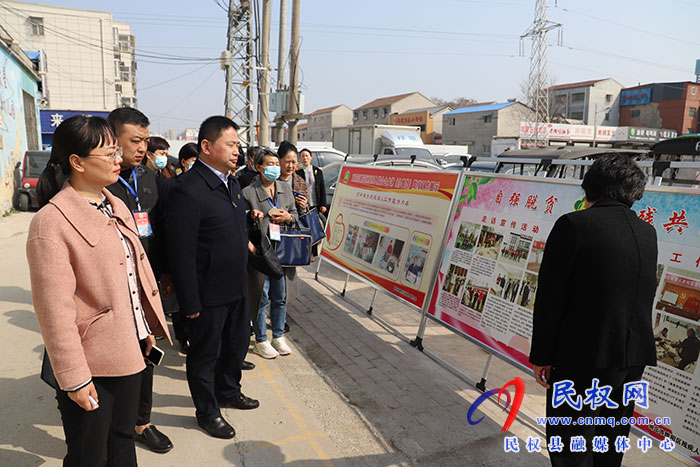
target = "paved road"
x: 352, y: 393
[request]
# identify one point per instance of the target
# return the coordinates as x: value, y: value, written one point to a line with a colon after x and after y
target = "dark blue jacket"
x: 206, y: 240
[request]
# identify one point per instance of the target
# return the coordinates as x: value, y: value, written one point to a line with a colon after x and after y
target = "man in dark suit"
x: 593, y: 309
x: 208, y: 249
x: 313, y: 176
x: 140, y: 190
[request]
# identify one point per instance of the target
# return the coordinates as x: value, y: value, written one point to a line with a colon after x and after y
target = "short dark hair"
x: 126, y: 115
x: 188, y: 151
x: 77, y: 135
x: 285, y: 148
x: 305, y: 150
x: 157, y: 143
x: 614, y: 176
x: 212, y: 127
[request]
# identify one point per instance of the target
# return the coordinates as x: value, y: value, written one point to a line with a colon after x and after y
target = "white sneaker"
x: 265, y: 350
x: 280, y: 343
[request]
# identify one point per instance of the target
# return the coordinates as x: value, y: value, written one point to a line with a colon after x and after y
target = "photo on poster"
x: 415, y: 261
x: 475, y: 293
x: 528, y: 290
x: 507, y: 282
x: 677, y: 343
x: 454, y: 280
x: 659, y: 273
x: 388, y: 254
x: 489, y: 243
x: 351, y: 239
x: 467, y: 236
x: 680, y: 293
x: 515, y: 250
x: 366, y: 245
x: 535, y: 260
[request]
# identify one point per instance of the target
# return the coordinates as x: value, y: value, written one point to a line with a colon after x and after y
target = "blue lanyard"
x: 134, y: 190
x: 268, y: 200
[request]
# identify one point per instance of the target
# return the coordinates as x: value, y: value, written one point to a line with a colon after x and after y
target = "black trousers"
x: 146, y: 396
x: 219, y: 340
x: 582, y: 379
x: 102, y: 437
x: 180, y: 326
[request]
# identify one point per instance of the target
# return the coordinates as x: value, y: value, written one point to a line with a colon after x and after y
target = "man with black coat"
x: 593, y: 309
x: 139, y: 188
x: 208, y: 249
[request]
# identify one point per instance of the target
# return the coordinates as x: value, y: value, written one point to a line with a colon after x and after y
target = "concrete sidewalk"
x: 351, y: 393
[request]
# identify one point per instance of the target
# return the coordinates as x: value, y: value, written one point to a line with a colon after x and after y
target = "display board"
x: 487, y: 282
x: 386, y: 226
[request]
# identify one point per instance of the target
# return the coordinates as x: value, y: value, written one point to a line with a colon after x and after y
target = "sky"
x: 355, y: 51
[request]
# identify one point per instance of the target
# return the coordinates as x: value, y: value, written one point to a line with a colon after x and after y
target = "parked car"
x: 29, y: 172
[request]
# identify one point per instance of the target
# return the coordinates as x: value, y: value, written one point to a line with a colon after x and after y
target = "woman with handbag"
x: 271, y: 204
x: 94, y: 294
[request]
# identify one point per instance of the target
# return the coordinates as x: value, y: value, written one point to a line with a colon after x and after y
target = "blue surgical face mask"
x: 272, y: 172
x: 160, y: 162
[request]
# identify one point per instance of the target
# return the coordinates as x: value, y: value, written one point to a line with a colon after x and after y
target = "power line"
x: 174, y: 78
x: 192, y: 92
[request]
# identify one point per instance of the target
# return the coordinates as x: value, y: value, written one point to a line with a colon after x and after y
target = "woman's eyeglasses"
x: 114, y: 156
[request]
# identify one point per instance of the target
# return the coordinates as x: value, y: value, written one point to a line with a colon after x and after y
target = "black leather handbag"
x: 266, y: 260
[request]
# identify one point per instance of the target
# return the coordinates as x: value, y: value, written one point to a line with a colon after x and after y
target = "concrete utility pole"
x: 537, y: 93
x: 294, y: 74
x: 264, y: 85
x: 281, y: 54
x: 238, y: 64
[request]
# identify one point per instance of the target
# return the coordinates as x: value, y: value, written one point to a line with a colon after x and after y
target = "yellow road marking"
x: 297, y: 418
x: 292, y: 439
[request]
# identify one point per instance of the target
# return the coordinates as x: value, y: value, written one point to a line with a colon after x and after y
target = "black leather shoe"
x: 185, y: 346
x: 217, y: 427
x: 248, y: 366
x: 240, y: 402
x: 154, y: 439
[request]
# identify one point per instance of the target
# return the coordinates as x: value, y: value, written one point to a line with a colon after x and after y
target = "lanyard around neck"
x: 134, y: 190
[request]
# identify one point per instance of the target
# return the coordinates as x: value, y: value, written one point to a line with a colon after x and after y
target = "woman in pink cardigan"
x: 94, y: 294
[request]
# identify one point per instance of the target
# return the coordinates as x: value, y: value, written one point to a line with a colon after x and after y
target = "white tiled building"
x: 90, y: 61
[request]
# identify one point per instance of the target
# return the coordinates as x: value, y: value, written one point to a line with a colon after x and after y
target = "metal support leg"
x: 345, y: 286
x: 481, y: 385
x: 371, y: 305
x: 418, y: 341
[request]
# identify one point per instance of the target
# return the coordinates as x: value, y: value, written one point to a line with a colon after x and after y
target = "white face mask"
x: 160, y: 162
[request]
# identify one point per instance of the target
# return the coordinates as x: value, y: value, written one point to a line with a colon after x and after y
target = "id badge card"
x: 143, y: 224
x: 275, y: 232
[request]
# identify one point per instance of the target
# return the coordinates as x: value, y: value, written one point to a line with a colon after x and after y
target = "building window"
x: 488, y: 118
x: 486, y: 148
x: 364, y: 114
x: 634, y: 113
x: 692, y: 111
x: 578, y: 97
x: 355, y: 116
x: 608, y: 98
x: 453, y: 122
x: 37, y: 25
x: 577, y: 115
x: 118, y: 87
x: 560, y: 99
x: 693, y: 90
x: 386, y: 109
x: 607, y: 116
x: 376, y: 113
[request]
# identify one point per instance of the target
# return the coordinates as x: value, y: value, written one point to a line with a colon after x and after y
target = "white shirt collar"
x: 223, y: 177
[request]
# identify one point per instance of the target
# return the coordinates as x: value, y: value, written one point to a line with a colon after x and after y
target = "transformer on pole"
x: 237, y: 61
x: 537, y: 93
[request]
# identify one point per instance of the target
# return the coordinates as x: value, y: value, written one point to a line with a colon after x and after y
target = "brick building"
x: 662, y: 105
x: 377, y: 112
